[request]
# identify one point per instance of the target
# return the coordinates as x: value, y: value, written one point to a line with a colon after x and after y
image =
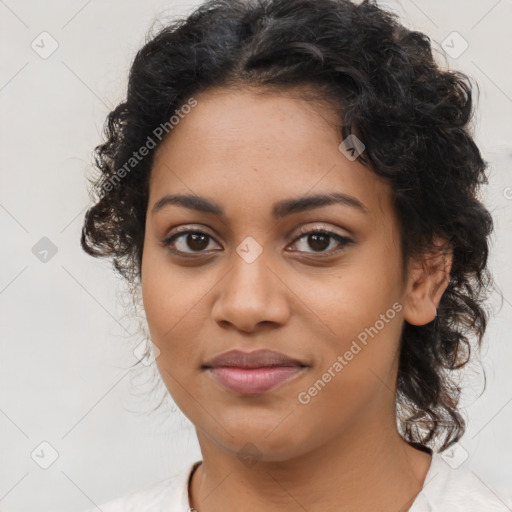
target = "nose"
x: 251, y: 294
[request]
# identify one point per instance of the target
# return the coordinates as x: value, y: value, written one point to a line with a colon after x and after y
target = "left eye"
x: 320, y: 240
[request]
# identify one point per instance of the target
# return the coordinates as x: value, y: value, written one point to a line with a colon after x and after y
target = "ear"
x: 427, y: 281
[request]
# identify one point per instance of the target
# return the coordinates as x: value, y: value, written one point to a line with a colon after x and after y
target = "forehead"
x: 249, y: 150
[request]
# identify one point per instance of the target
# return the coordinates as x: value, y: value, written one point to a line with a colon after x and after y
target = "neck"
x: 363, y: 472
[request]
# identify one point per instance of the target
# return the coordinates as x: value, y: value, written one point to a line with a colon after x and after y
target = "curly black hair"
x: 413, y: 116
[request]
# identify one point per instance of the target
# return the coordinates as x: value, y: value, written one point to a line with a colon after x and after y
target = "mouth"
x: 252, y: 381
x: 253, y: 372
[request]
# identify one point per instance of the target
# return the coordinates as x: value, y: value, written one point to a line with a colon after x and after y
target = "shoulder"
x: 170, y: 495
x: 457, y: 489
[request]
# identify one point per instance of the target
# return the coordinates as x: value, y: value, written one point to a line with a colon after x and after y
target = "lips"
x: 253, y: 372
x: 256, y: 359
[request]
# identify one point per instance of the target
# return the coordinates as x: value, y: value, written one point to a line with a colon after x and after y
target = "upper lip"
x: 256, y: 359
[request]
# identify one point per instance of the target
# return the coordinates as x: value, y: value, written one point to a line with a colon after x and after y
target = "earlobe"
x: 428, y: 280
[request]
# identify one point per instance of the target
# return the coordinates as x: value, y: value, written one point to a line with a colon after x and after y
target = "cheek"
x: 169, y: 295
x: 356, y: 366
x: 171, y: 312
x: 165, y: 304
x: 176, y: 306
x: 353, y: 297
x: 359, y: 312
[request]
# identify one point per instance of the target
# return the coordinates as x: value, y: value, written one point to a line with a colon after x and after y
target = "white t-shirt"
x: 445, y: 489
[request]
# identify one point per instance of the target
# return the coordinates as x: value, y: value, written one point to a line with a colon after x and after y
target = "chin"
x: 265, y: 441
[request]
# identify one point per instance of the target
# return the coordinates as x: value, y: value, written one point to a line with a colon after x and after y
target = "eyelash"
x: 343, y: 241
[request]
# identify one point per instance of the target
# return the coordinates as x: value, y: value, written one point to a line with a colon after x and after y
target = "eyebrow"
x: 279, y: 210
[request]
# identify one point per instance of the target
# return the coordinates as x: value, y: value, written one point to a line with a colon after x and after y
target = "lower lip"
x: 253, y: 381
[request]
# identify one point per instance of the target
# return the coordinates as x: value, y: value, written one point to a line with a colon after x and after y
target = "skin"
x: 245, y: 151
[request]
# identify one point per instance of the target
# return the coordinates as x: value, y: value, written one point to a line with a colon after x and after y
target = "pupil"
x: 316, y: 237
x: 196, y: 241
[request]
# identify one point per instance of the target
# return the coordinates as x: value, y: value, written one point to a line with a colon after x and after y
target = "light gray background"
x: 66, y: 348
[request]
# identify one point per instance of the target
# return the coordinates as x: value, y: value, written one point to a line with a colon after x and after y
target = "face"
x: 257, y: 276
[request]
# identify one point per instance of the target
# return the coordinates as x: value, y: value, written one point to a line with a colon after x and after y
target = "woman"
x: 292, y: 186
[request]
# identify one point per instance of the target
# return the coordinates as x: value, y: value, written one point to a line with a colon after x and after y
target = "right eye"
x: 188, y: 242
